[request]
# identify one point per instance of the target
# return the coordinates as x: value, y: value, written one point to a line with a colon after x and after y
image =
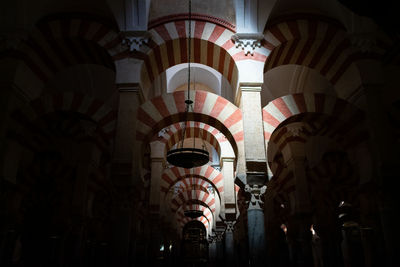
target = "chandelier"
x: 194, y: 211
x: 188, y: 157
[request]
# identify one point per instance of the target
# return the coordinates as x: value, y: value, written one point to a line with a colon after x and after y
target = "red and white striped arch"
x: 58, y: 43
x: 348, y: 119
x: 283, y: 136
x: 321, y: 44
x: 208, y: 108
x: 203, y: 175
x: 207, y: 213
x: 192, y: 189
x: 189, y: 183
x: 193, y: 130
x: 211, y: 46
x: 206, y: 218
x: 104, y: 116
x: 203, y: 219
x: 182, y: 197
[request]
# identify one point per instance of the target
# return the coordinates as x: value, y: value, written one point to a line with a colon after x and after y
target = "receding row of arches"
x: 63, y: 132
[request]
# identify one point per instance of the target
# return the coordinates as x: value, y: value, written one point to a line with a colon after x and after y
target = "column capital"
x: 212, y: 239
x: 219, y: 236
x: 248, y: 41
x: 230, y: 226
x: 256, y: 194
x: 135, y: 41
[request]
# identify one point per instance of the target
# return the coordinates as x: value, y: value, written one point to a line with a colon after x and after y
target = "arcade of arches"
x: 297, y: 103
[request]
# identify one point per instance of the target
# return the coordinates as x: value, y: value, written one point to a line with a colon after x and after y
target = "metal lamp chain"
x: 188, y: 101
x: 189, y: 46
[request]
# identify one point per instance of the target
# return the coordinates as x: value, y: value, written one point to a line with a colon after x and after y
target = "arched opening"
x: 194, y: 243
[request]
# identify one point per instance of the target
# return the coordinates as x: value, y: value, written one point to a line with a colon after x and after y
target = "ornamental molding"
x: 219, y: 236
x: 247, y: 41
x: 256, y: 193
x: 230, y: 226
x: 134, y: 41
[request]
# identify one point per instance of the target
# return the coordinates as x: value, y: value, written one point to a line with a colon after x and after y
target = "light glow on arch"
x: 201, y: 75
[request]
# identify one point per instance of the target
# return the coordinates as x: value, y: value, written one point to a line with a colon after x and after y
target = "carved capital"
x: 219, y: 236
x: 247, y: 41
x: 212, y: 239
x: 230, y: 226
x: 256, y: 194
x: 135, y: 42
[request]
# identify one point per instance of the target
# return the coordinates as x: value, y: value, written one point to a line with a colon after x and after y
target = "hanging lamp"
x: 188, y: 157
x: 194, y: 212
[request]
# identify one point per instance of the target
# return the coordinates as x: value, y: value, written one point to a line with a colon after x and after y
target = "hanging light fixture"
x: 194, y: 212
x: 188, y: 157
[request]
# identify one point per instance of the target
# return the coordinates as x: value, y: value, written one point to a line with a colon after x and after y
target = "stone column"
x: 229, y: 188
x: 299, y: 227
x: 220, y: 247
x: 157, y: 163
x: 11, y: 99
x: 299, y: 239
x: 385, y: 158
x: 328, y: 230
x: 212, y: 250
x: 256, y: 227
x: 277, y: 249
x: 5, y: 95
x: 229, y: 244
x: 302, y: 198
x: 157, y: 168
x: 352, y: 247
x: 121, y: 227
x: 256, y: 167
x: 88, y: 160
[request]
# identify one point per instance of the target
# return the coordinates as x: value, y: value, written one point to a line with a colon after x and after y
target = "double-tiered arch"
x: 202, y: 186
x: 208, y: 108
x: 318, y: 43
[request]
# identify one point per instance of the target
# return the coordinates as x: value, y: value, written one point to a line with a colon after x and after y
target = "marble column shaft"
x: 256, y: 227
x: 229, y: 245
x: 386, y: 158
